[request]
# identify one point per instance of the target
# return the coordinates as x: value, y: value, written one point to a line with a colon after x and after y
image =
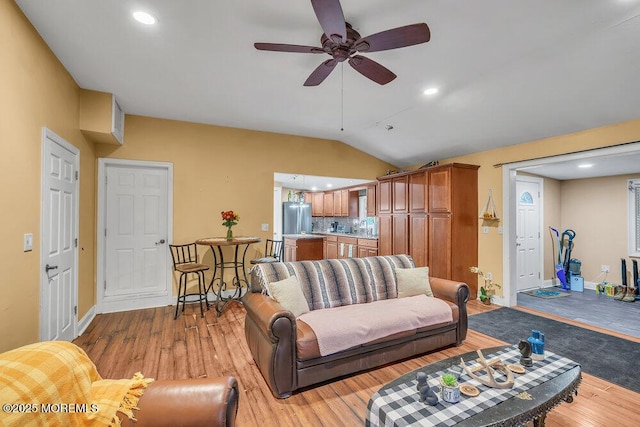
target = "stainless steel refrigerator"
x: 296, y: 218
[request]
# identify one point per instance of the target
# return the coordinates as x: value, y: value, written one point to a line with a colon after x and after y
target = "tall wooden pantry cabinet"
x: 432, y: 214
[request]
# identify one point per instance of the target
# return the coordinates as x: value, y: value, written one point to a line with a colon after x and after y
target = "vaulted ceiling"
x: 507, y: 71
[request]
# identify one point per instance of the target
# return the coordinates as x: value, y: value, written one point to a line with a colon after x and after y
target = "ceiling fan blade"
x: 321, y: 73
x: 331, y: 18
x: 371, y: 69
x: 408, y: 35
x: 279, y: 47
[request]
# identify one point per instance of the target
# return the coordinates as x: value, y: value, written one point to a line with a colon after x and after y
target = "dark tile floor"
x: 590, y: 308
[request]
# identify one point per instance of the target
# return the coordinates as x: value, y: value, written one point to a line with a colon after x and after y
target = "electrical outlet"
x: 485, y: 230
x: 604, y: 268
x: 489, y: 276
x: 265, y: 227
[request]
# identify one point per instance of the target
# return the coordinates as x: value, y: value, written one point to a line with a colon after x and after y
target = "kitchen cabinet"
x: 385, y: 245
x: 303, y: 248
x: 328, y: 204
x: 331, y: 244
x: 347, y: 207
x: 417, y: 188
x: 384, y: 197
x: 419, y: 239
x: 337, y: 203
x: 440, y: 190
x: 400, y: 194
x: 367, y: 247
x: 371, y: 200
x: 440, y: 245
x: 400, y: 233
x: 347, y: 247
x: 317, y: 204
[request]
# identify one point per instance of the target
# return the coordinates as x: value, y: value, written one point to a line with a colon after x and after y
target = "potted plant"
x: 486, y: 290
x: 450, y: 388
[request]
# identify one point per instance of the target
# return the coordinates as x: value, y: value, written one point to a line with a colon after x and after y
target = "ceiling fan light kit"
x: 343, y: 43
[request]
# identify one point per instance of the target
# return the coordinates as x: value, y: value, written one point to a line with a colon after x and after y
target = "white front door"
x: 136, y: 270
x: 528, y: 233
x: 58, y: 280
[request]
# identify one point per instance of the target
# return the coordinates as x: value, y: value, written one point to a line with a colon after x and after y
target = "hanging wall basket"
x: 489, y: 210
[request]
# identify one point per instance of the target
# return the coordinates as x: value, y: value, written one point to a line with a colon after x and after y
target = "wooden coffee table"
x: 547, y: 384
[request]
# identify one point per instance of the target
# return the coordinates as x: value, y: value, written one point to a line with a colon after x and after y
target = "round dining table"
x: 218, y: 285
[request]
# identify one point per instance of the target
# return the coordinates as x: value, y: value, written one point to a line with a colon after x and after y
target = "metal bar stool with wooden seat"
x: 273, y: 252
x: 185, y: 261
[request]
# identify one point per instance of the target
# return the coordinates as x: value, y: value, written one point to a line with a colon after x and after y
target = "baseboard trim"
x: 86, y: 320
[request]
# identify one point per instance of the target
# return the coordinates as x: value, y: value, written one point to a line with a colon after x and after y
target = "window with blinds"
x: 634, y: 217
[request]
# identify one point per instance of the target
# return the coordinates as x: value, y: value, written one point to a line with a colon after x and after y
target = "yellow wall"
x: 35, y: 91
x: 490, y: 256
x: 597, y: 209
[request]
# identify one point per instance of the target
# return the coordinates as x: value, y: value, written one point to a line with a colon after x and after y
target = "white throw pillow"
x: 289, y: 294
x: 413, y: 281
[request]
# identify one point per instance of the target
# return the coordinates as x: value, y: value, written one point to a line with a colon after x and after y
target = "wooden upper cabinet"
x: 400, y: 194
x: 328, y: 204
x: 337, y: 203
x: 418, y: 192
x: 384, y: 197
x: 440, y: 190
x: 317, y: 204
x: 344, y: 203
x: 371, y: 200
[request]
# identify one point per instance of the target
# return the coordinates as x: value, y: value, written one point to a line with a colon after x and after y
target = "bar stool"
x: 272, y: 252
x: 185, y: 261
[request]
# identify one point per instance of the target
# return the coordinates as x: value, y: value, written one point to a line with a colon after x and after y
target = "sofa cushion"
x: 340, y: 328
x: 413, y: 281
x: 288, y: 293
x: 336, y: 282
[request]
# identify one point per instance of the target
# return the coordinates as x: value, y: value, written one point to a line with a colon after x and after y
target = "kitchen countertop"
x: 301, y: 236
x: 359, y: 236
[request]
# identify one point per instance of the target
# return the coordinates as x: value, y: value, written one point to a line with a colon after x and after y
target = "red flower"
x: 230, y: 218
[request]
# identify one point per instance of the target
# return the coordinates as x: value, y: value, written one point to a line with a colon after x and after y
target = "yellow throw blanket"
x: 54, y: 383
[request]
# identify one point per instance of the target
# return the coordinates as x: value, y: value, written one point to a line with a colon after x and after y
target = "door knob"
x: 50, y: 267
x: 160, y: 242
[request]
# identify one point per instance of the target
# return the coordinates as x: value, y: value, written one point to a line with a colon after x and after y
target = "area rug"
x: 547, y: 293
x: 611, y: 358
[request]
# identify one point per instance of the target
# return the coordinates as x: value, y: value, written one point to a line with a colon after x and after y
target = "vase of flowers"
x: 229, y: 219
x: 487, y: 290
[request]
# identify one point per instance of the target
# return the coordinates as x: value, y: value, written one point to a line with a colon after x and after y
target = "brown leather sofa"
x: 187, y: 402
x: 277, y: 339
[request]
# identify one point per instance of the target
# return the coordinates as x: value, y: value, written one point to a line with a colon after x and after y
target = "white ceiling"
x: 508, y: 71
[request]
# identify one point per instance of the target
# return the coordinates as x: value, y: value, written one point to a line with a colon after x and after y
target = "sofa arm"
x: 457, y: 293
x: 187, y: 402
x: 271, y: 336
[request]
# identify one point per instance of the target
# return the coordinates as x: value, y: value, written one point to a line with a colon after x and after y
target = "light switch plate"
x: 28, y: 242
x: 485, y: 230
x: 265, y: 227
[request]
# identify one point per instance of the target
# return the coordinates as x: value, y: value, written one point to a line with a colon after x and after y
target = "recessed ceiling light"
x: 314, y: 188
x: 144, y: 18
x: 431, y: 91
x: 585, y: 165
x: 329, y: 185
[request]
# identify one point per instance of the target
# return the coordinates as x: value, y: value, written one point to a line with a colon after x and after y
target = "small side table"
x: 219, y: 264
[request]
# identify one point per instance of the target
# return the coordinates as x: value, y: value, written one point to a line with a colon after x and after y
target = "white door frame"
x: 48, y: 134
x: 509, y: 208
x: 103, y: 163
x: 277, y: 213
x: 540, y: 182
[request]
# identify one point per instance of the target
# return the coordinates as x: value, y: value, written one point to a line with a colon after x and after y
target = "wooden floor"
x: 151, y: 342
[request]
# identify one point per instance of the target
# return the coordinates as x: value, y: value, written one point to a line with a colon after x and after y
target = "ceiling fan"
x: 343, y: 43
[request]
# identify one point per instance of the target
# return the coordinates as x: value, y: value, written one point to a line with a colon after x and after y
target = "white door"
x: 528, y: 233
x: 136, y: 269
x: 58, y: 280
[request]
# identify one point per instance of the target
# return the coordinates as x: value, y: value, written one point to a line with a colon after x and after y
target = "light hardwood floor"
x: 151, y: 342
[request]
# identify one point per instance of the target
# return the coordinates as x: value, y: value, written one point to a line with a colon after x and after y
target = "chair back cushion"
x: 336, y: 282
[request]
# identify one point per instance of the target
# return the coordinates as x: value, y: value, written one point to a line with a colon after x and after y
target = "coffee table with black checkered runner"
x: 543, y: 386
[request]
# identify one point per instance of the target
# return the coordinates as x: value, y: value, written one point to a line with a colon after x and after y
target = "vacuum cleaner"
x: 563, y: 261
